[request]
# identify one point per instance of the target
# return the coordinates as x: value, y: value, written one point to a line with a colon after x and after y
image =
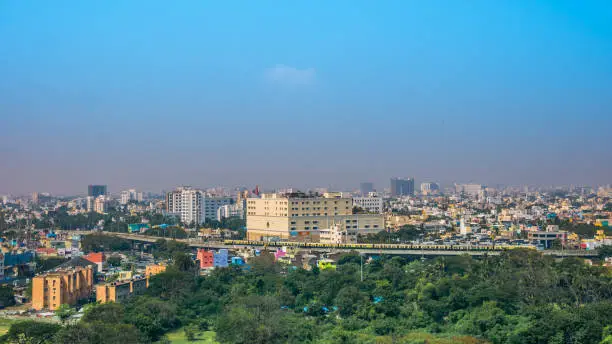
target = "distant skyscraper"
x: 96, y: 190
x: 365, y: 188
x: 429, y: 188
x: 402, y: 187
x: 472, y: 190
x: 131, y: 195
x: 35, y: 197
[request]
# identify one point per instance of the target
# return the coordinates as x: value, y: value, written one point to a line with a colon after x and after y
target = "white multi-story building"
x: 130, y: 195
x: 429, y: 188
x: 89, y: 203
x: 193, y: 205
x: 370, y: 204
x: 472, y: 190
x: 210, y: 206
x: 186, y: 203
x: 230, y: 210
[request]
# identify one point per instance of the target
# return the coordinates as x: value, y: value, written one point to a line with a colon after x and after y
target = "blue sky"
x: 154, y: 94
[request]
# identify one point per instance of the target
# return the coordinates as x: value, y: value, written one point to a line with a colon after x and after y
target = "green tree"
x: 64, y: 312
x: 31, y: 331
x: 114, y: 260
x: 7, y: 297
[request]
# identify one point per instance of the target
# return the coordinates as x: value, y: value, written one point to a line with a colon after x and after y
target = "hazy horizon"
x: 153, y: 94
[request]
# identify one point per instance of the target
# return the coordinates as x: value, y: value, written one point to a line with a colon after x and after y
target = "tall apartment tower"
x: 96, y: 190
x: 185, y: 202
x: 365, y: 188
x: 402, y: 187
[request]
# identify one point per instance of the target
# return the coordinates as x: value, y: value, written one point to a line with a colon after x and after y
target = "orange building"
x: 120, y: 291
x: 206, y: 258
x: 53, y: 289
x: 154, y: 269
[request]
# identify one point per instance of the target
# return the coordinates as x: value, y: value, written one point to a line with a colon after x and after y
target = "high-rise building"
x: 299, y: 217
x: 402, y: 187
x: 96, y: 190
x: 230, y: 210
x: 211, y: 205
x: 429, y: 188
x: 35, y: 197
x: 53, y: 289
x: 365, y: 188
x: 100, y: 205
x: 186, y: 203
x: 89, y: 203
x: 131, y: 195
x: 472, y: 190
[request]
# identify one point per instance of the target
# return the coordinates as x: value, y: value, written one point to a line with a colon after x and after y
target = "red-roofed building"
x: 96, y: 258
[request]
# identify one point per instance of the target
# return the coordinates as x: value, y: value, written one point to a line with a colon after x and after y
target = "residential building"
x: 89, y: 203
x: 299, y: 217
x: 336, y: 235
x: 154, y: 269
x: 429, y: 188
x: 53, y: 289
x: 186, y: 202
x: 230, y: 210
x: 130, y: 195
x: 209, y: 259
x: 96, y: 258
x: 205, y: 258
x: 100, y: 205
x: 211, y: 205
x: 546, y: 239
x: 121, y: 291
x: 96, y: 190
x: 471, y: 190
x: 402, y: 187
x: 365, y: 188
x: 369, y: 204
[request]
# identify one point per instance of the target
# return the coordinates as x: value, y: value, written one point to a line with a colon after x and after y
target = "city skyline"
x: 311, y: 94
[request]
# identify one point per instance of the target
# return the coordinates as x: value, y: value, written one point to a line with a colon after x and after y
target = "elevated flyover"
x: 197, y: 243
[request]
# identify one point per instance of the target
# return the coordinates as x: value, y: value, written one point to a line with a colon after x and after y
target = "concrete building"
x: 209, y: 259
x: 210, y: 206
x: 336, y: 235
x: 186, y: 203
x: 370, y: 204
x: 154, y: 269
x: 430, y: 188
x: 121, y: 291
x: 100, y: 205
x: 96, y: 258
x: 89, y: 203
x: 365, y: 188
x: 53, y: 289
x: 298, y: 217
x: 230, y: 210
x: 471, y: 190
x: 131, y: 195
x: 402, y: 187
x: 546, y: 239
x: 96, y: 190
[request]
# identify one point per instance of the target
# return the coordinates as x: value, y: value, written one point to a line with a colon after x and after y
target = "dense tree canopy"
x: 517, y: 297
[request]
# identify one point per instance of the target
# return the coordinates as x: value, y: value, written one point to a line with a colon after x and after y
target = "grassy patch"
x: 206, y: 337
x: 5, y: 324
